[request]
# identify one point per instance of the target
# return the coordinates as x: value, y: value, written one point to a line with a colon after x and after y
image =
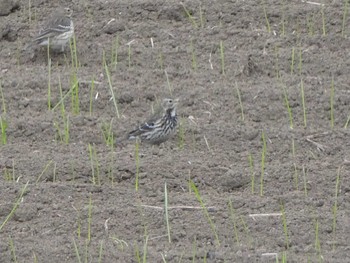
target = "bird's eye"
x: 170, y: 101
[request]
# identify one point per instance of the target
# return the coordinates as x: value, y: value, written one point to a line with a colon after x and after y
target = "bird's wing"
x: 150, y: 124
x: 54, y: 27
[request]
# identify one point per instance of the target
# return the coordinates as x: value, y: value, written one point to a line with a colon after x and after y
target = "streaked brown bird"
x: 160, y: 127
x: 58, y: 30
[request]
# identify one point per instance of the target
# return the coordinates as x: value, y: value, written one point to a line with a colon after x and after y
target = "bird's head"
x: 68, y: 11
x: 169, y: 105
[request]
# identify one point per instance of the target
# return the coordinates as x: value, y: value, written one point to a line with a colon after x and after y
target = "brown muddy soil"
x: 51, y: 223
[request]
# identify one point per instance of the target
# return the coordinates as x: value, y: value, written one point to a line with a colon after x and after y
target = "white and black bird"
x: 160, y: 127
x: 57, y: 31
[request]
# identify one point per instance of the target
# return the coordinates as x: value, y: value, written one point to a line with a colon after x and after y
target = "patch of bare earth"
x: 81, y: 200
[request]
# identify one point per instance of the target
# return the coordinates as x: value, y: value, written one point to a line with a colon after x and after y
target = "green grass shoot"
x: 74, y: 83
x: 144, y: 258
x: 66, y: 128
x: 63, y: 109
x: 89, y: 219
x: 285, y: 228
x: 100, y: 253
x: 168, y: 83
x: 74, y: 53
x: 345, y: 14
x: 12, y: 249
x: 167, y: 212
x: 3, y: 104
x: 49, y: 80
x: 77, y: 253
x: 9, y: 174
x: 29, y: 11
x: 115, y: 52
x: 284, y: 257
x: 194, y: 59
x: 107, y: 132
x: 95, y: 166
x: 137, y: 253
x: 161, y: 60
x: 121, y: 244
x: 332, y: 103
x: 201, y: 17
x: 15, y: 206
x: 92, y: 89
x: 303, y: 101
x: 78, y: 222
x: 110, y: 85
x: 194, y: 249
x: 61, y: 102
x: 240, y: 101
x: 35, y: 258
x: 305, y: 181
x: 347, y: 122
x: 247, y: 232
x: 335, y: 207
x: 263, y: 157
x: 323, y: 20
x: 283, y: 18
x: 129, y: 55
x: 205, y: 210
x: 3, y: 127
x: 54, y: 172
x: 268, y: 27
x: 317, y: 238
x: 189, y: 15
x: 310, y: 25
x: 292, y: 61
x: 277, y: 68
x: 137, y: 162
x: 181, y: 134
x: 222, y: 57
x: 111, y: 165
x: 296, y: 175
x: 252, y: 174
x: 43, y: 171
x: 233, y: 220
x: 286, y: 103
x: 300, y: 64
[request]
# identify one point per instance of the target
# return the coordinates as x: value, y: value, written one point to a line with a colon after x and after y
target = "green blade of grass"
x: 76, y: 251
x: 263, y: 156
x: 332, y: 103
x: 240, y: 101
x: 266, y: 18
x: 89, y: 219
x: 303, y: 101
x: 166, y: 212
x: 285, y: 229
x: 15, y: 206
x: 190, y: 17
x: 205, y: 210
x: 222, y: 57
x: 110, y: 86
x: 137, y: 161
x: 345, y: 13
x: 335, y: 207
